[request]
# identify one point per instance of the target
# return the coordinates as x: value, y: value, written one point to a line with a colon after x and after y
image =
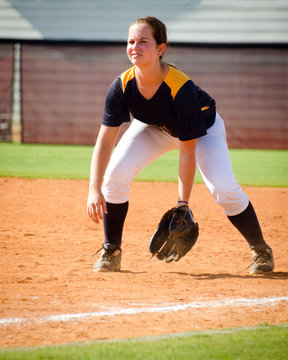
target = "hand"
x: 95, y: 204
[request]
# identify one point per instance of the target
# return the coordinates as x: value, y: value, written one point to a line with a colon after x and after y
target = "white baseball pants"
x: 142, y: 144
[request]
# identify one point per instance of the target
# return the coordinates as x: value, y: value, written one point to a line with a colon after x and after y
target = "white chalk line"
x: 211, y: 304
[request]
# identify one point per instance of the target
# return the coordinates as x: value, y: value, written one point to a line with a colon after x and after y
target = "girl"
x: 169, y: 112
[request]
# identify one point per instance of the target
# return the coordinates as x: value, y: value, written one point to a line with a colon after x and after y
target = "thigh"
x: 140, y: 145
x: 212, y: 156
x: 214, y: 164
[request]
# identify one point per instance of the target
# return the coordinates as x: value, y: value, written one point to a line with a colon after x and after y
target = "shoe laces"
x: 107, y: 253
x: 262, y: 255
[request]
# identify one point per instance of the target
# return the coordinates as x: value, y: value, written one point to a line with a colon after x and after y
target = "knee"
x: 116, y: 184
x: 115, y: 191
x: 232, y: 199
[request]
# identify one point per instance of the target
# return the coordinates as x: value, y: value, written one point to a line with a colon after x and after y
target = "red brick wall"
x: 64, y: 89
x: 250, y: 87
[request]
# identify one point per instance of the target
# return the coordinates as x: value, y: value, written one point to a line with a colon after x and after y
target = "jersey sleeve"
x: 190, y: 121
x: 115, y: 110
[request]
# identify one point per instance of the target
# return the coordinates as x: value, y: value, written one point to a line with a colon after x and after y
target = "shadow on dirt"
x: 208, y: 276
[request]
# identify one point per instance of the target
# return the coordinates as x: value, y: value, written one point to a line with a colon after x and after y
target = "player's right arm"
x: 101, y: 155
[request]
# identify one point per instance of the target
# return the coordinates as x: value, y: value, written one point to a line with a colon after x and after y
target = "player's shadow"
x: 277, y: 275
x: 132, y: 272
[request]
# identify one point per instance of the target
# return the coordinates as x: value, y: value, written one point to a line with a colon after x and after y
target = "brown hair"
x: 158, y: 29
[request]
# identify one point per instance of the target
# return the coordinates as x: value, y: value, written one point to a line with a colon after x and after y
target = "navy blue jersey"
x: 179, y: 106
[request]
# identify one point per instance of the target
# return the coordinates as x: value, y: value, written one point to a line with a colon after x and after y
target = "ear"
x: 161, y: 49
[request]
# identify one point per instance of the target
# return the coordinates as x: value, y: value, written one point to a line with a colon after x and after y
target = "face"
x: 142, y: 48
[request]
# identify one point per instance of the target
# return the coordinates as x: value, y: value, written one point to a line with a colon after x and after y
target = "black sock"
x: 113, y: 223
x: 248, y: 225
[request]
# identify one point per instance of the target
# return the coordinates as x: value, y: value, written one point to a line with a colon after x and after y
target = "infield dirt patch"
x: 47, y: 243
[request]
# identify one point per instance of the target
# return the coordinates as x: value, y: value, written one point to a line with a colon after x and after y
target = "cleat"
x: 110, y: 259
x: 263, y: 261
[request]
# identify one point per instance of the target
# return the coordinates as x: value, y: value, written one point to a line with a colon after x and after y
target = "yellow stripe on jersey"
x: 126, y: 76
x: 175, y: 79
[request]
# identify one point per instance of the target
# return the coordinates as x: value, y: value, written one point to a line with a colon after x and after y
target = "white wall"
x: 191, y: 21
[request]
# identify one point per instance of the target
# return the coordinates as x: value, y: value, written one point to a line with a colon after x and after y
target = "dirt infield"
x: 50, y: 295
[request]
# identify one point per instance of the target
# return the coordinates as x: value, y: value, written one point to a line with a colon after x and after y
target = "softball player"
x: 170, y: 112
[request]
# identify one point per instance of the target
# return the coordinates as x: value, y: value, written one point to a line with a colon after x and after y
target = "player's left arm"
x: 187, y: 166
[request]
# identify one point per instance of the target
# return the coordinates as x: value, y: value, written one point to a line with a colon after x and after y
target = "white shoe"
x: 110, y: 259
x: 263, y: 261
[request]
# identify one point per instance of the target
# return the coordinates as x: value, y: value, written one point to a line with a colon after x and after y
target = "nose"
x: 135, y: 44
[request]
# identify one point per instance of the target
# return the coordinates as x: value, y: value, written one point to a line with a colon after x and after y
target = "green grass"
x: 251, y: 167
x: 45, y: 161
x: 263, y: 342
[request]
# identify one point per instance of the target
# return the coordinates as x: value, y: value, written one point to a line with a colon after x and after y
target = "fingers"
x: 95, y: 210
x: 94, y: 213
x: 104, y: 207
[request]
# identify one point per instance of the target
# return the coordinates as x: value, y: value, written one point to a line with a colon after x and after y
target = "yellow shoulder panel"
x: 175, y: 79
x: 126, y: 76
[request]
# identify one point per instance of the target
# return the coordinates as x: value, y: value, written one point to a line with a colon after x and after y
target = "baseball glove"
x: 176, y: 234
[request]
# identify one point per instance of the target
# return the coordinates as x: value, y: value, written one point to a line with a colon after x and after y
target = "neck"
x: 151, y: 74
